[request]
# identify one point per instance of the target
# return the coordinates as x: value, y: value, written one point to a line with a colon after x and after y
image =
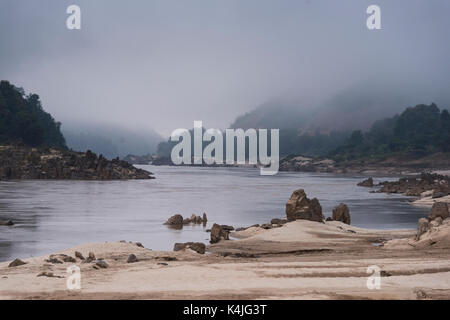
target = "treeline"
x: 23, y: 120
x: 420, y: 130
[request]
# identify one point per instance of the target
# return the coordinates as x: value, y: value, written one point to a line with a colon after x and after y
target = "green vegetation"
x: 23, y: 120
x: 419, y: 130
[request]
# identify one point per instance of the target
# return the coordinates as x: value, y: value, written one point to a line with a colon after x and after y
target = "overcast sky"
x: 162, y: 64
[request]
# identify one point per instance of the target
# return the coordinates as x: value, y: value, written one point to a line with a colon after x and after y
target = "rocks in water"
x: 175, y: 220
x: 439, y: 209
x: 304, y: 164
x: 218, y: 233
x: 341, y: 213
x: 198, y: 247
x: 300, y: 207
x: 366, y: 183
x: 422, y: 227
x: 439, y: 185
x: 21, y: 162
x: 178, y: 220
x: 132, y: 258
x: 6, y: 223
x: 79, y: 255
x: 16, y: 263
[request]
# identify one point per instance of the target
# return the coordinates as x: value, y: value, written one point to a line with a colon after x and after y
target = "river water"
x: 53, y: 215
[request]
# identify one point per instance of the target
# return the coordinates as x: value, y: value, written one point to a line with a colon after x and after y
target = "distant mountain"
x: 23, y: 119
x: 110, y: 140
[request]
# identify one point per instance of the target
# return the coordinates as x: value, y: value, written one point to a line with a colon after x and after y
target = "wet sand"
x: 300, y: 260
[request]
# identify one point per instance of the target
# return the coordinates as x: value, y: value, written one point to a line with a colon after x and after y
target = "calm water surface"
x: 55, y: 215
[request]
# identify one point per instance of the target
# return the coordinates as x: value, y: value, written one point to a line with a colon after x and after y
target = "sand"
x: 300, y: 260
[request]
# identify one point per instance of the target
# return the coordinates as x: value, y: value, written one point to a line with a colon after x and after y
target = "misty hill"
x: 110, y: 140
x: 421, y: 130
x: 23, y: 120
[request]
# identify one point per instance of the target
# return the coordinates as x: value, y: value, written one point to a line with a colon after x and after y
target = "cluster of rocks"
x: 220, y: 232
x: 178, y: 220
x: 299, y: 206
x: 438, y: 213
x: 437, y: 185
x: 366, y: 183
x: 20, y: 162
x: 198, y: 247
x: 305, y: 164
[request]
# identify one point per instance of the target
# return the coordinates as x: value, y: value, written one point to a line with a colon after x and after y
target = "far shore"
x: 299, y: 260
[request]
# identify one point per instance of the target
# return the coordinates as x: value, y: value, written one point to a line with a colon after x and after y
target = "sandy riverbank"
x: 300, y: 260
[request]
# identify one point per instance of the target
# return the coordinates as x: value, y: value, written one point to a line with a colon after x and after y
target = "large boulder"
x: 175, y: 220
x: 218, y: 233
x: 439, y: 209
x: 300, y: 207
x: 341, y: 213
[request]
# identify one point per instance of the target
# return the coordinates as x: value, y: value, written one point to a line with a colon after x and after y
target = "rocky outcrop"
x: 416, y: 186
x: 20, y: 162
x: 439, y: 209
x: 198, y: 247
x: 219, y: 233
x: 366, y: 183
x: 341, y: 213
x: 300, y: 207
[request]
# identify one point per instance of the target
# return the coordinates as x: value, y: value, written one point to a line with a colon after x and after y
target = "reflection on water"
x: 54, y: 215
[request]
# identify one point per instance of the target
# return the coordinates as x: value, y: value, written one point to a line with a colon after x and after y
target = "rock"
x: 90, y: 258
x: 101, y: 263
x: 436, y: 222
x: 69, y: 259
x: 6, y: 223
x: 227, y: 228
x: 218, y: 233
x: 439, y: 209
x: 54, y: 260
x: 79, y: 255
x: 16, y: 263
x: 438, y: 194
x: 266, y: 226
x: 300, y: 207
x: 329, y: 219
x: 175, y: 220
x: 278, y: 221
x: 366, y: 183
x: 132, y: 258
x: 196, y: 246
x: 204, y: 218
x: 422, y: 227
x: 341, y: 213
x: 139, y: 244
x: 48, y: 274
